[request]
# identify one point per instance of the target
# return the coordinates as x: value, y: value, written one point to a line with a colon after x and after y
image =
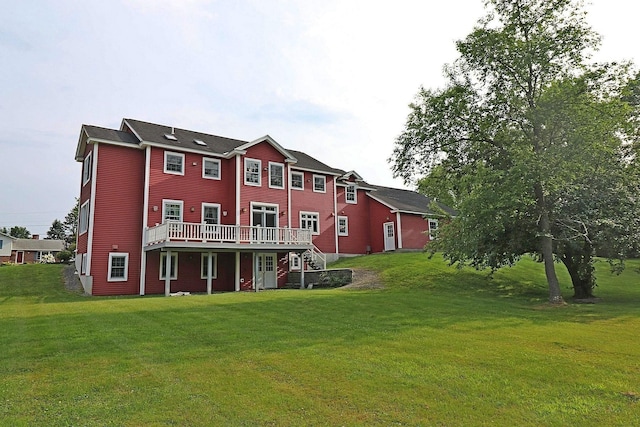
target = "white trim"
x: 177, y: 202
x: 145, y: 220
x: 173, y: 153
x: 289, y: 196
x: 313, y: 183
x: 86, y: 176
x: 281, y: 165
x: 211, y: 159
x: 238, y: 185
x: 92, y: 207
x: 204, y: 260
x: 271, y: 205
x: 317, y: 215
x: 355, y: 194
x: 209, y: 205
x: 124, y: 255
x: 163, y: 260
x: 253, y: 184
x: 346, y: 225
x: 399, y: 232
x: 318, y: 171
x: 291, y: 180
x: 335, y: 213
x: 83, y: 217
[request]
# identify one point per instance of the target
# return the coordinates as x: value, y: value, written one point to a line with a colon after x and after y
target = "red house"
x: 164, y: 210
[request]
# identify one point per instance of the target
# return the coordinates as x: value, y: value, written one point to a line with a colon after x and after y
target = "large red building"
x: 164, y: 210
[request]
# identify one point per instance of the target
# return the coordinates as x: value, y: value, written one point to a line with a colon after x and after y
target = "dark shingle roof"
x: 407, y: 200
x: 305, y: 161
x: 151, y: 132
x: 110, y: 134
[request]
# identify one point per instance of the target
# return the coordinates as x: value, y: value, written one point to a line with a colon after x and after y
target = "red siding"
x: 379, y: 214
x: 85, y: 195
x: 191, y: 188
x: 310, y: 201
x: 117, y: 216
x: 358, y: 241
x: 414, y: 229
x: 266, y: 153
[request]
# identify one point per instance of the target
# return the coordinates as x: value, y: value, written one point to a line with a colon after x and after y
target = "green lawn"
x: 437, y: 347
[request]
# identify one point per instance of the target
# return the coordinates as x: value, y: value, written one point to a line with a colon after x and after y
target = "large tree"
x: 522, y: 120
x: 56, y: 231
x: 20, y: 232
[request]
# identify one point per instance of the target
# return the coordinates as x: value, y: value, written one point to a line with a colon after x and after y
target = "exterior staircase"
x: 315, y: 259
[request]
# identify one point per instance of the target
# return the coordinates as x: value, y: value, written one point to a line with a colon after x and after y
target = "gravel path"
x: 71, y: 279
x: 364, y: 279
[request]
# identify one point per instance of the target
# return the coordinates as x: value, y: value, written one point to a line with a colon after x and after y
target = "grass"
x: 437, y: 346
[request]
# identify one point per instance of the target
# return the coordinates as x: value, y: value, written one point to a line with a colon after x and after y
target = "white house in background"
x: 27, y: 251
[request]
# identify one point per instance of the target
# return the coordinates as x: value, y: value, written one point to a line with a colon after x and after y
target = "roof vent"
x: 171, y: 137
x: 200, y: 142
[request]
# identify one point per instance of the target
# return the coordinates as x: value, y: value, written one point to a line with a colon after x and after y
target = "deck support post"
x: 237, y: 274
x: 167, y: 275
x: 209, y: 272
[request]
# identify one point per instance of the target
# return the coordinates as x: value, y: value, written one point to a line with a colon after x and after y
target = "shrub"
x: 64, y: 256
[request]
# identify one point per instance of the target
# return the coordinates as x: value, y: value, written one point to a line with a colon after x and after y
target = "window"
x: 210, y: 213
x: 86, y: 169
x: 252, y: 172
x: 310, y: 221
x: 433, y: 228
x: 1, y: 242
x: 205, y: 265
x: 172, y: 210
x: 83, y: 264
x: 210, y: 168
x: 294, y: 262
x: 319, y: 183
x: 297, y: 180
x: 276, y: 175
x: 163, y: 266
x: 83, y: 221
x: 343, y: 226
x: 173, y: 163
x: 118, y: 267
x: 351, y: 196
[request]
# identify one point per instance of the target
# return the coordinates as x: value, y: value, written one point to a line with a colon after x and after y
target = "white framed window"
x: 297, y: 180
x: 210, y: 213
x: 294, y: 262
x: 83, y: 264
x: 204, y: 265
x: 310, y: 221
x: 319, y: 183
x: 86, y: 169
x: 118, y: 267
x: 343, y: 226
x: 163, y: 266
x: 433, y: 227
x: 276, y: 175
x: 173, y: 163
x: 351, y: 195
x: 252, y: 173
x: 172, y: 210
x: 210, y: 168
x: 83, y: 220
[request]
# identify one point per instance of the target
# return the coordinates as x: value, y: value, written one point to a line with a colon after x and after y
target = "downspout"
x: 145, y: 221
x: 238, y: 260
x: 399, y: 230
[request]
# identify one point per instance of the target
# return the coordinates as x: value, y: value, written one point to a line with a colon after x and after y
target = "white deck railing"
x: 217, y: 233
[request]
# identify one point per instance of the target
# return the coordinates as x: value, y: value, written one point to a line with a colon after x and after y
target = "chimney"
x: 35, y: 237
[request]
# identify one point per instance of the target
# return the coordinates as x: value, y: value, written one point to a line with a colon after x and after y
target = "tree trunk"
x: 546, y: 248
x: 579, y: 264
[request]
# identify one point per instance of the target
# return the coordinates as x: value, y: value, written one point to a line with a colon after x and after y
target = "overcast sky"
x: 330, y: 78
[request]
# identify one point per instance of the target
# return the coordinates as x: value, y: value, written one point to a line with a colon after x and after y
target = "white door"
x: 266, y: 271
x: 389, y: 236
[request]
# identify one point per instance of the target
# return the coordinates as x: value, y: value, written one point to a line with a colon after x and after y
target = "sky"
x: 332, y: 78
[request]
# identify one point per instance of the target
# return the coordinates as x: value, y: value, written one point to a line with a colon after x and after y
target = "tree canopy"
x: 532, y: 142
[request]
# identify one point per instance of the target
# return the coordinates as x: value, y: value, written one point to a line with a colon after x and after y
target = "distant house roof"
x: 407, y: 201
x: 38, y: 245
x: 7, y: 235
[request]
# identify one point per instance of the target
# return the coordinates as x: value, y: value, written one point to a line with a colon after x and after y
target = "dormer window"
x: 351, y: 195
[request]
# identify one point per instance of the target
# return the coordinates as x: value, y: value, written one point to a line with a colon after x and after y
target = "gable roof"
x: 98, y: 134
x: 154, y: 134
x: 306, y: 162
x: 9, y: 236
x: 38, y: 245
x: 407, y: 201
